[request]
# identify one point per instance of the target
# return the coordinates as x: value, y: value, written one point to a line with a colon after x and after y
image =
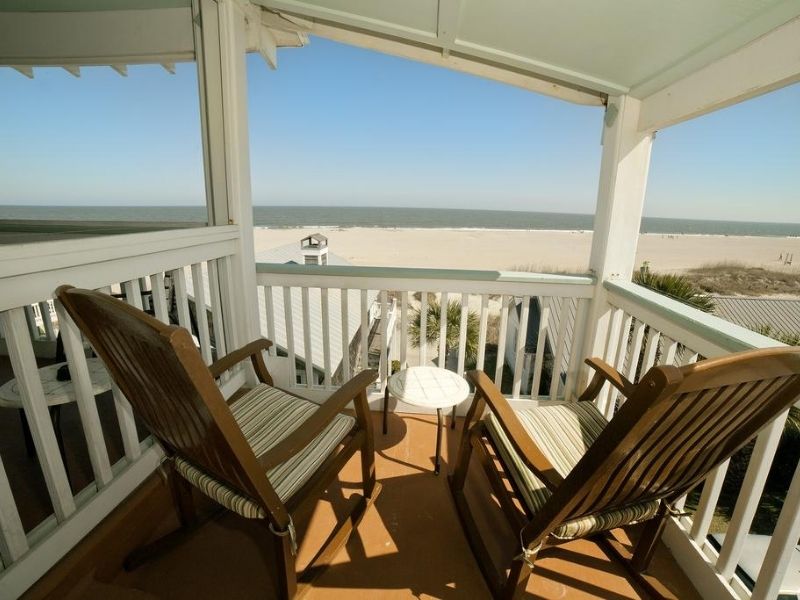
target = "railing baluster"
x: 708, y: 502
x: 181, y: 298
x: 201, y: 311
x: 309, y: 356
x: 505, y: 305
x: 681, y: 502
x: 23, y: 364
x: 160, y: 307
x: 287, y: 315
x: 403, y: 330
x: 442, y: 359
x: 30, y: 319
x: 482, y: 331
x: 576, y: 344
x: 47, y: 320
x: 230, y: 309
x: 636, y: 348
x: 345, y: 301
x: 326, y: 335
x: 609, y: 354
x: 364, y: 331
x: 749, y: 496
x: 782, y: 545
x: 650, y: 350
x: 133, y: 293
x: 617, y: 361
x: 622, y: 343
x: 384, y: 356
x: 269, y: 310
x: 541, y: 344
x: 217, y: 320
x: 558, y: 361
x: 669, y: 352
x: 84, y: 396
x: 127, y: 424
x: 462, y: 333
x: 522, y: 336
x: 13, y: 542
x: 423, y: 329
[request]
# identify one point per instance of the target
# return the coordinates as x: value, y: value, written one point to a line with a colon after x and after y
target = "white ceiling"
x: 606, y: 46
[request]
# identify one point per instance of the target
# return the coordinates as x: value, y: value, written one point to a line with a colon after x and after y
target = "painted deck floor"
x: 409, y: 545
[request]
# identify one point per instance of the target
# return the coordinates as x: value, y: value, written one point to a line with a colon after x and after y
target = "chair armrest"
x: 531, y: 453
x: 605, y: 372
x: 251, y: 351
x: 318, y: 421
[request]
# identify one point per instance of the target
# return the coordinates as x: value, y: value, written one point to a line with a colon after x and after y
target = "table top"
x: 429, y: 387
x: 57, y: 392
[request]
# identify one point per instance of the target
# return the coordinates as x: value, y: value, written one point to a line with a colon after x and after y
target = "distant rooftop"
x: 782, y: 315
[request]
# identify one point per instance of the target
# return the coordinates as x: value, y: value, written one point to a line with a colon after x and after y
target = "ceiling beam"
x: 103, y: 37
x: 267, y: 47
x: 433, y: 55
x: 169, y: 67
x: 765, y: 64
x: 323, y: 15
x: 72, y: 70
x: 121, y: 69
x: 447, y: 23
x: 25, y: 70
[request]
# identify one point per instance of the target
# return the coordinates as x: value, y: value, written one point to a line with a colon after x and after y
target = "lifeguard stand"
x: 314, y: 249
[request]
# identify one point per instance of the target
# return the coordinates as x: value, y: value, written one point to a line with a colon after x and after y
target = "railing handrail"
x: 435, y: 280
x: 27, y: 258
x: 703, y: 332
x: 30, y: 272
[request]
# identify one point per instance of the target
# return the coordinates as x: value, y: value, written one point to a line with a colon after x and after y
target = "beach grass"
x: 731, y: 278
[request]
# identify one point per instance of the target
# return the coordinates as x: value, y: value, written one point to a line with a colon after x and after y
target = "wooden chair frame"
x: 657, y: 448
x: 123, y: 335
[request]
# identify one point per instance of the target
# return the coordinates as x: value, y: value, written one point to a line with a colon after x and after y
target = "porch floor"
x: 409, y: 545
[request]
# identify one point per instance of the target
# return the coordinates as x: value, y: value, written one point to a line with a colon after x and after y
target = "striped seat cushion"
x: 563, y: 432
x: 266, y: 416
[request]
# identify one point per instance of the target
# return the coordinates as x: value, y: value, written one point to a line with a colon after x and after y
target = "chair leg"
x: 181, y: 491
x: 518, y: 577
x: 459, y: 476
x: 285, y: 574
x: 646, y: 546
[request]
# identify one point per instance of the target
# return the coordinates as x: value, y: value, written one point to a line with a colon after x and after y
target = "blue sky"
x: 336, y: 125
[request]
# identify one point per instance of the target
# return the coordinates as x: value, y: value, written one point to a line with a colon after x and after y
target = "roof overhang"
x: 680, y: 59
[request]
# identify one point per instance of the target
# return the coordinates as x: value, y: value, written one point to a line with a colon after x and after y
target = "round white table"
x: 56, y: 393
x: 427, y: 387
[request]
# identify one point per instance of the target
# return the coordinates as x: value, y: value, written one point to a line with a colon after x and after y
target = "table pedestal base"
x: 439, y: 426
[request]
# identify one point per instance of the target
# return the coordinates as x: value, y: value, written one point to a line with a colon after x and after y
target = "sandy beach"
x: 544, y: 251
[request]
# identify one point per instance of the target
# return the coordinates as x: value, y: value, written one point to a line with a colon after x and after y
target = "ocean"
x: 410, y: 218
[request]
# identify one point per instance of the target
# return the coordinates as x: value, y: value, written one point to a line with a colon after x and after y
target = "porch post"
x: 220, y: 45
x: 623, y: 179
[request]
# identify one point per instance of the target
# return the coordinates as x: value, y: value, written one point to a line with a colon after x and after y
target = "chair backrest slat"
x: 675, y: 428
x: 164, y: 377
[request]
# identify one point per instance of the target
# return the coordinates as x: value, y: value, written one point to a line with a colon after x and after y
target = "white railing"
x: 324, y: 318
x: 136, y: 267
x: 647, y: 328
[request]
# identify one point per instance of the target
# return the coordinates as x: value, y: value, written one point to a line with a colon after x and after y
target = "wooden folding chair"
x: 573, y: 474
x: 268, y: 456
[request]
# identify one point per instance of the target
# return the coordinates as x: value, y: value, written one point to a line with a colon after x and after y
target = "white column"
x: 623, y: 179
x: 220, y: 39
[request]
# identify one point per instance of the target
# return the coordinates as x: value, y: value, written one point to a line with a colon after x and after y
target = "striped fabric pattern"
x: 266, y: 416
x: 563, y: 432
